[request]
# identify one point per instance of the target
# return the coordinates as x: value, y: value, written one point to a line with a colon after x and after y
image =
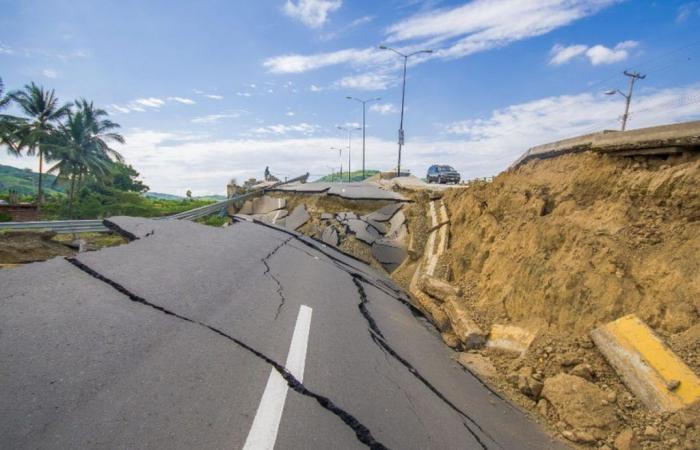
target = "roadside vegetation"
x: 354, y: 176
x: 85, y: 177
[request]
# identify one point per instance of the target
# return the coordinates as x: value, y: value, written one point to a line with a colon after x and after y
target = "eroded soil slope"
x: 566, y: 244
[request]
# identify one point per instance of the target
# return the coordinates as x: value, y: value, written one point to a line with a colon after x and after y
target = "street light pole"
x: 364, y: 103
x: 340, y: 155
x: 349, y: 130
x: 628, y: 97
x: 403, y: 96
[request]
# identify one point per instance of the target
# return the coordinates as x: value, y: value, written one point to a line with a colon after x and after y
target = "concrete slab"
x: 510, y: 339
x: 330, y: 236
x: 363, y: 191
x: 397, y: 227
x: 362, y: 230
x: 246, y: 208
x: 659, y: 378
x: 381, y: 227
x: 266, y: 204
x: 273, y: 217
x: 342, y: 216
x: 389, y: 253
x: 384, y: 213
x: 298, y: 217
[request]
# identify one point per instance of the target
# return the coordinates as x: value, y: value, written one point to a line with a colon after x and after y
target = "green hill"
x: 354, y: 176
x: 162, y: 196
x: 24, y: 181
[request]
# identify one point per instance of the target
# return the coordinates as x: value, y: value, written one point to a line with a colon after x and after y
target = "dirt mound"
x: 582, y: 239
x: 21, y: 247
x: 566, y: 244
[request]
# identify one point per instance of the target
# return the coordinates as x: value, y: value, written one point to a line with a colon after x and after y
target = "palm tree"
x: 9, y: 125
x: 43, y: 111
x: 81, y: 147
x: 101, y: 131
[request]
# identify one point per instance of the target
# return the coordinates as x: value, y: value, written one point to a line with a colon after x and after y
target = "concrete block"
x: 298, y: 217
x: 510, y: 339
x: 246, y: 208
x: 438, y: 288
x: 464, y: 327
x: 430, y: 306
x: 659, y: 378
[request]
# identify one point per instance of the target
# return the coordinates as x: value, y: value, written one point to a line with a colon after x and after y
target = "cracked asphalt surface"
x: 168, y: 341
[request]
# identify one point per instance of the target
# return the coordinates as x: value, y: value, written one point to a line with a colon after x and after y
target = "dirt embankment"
x: 566, y: 244
x: 22, y: 247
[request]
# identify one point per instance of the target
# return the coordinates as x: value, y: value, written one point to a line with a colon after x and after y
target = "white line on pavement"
x: 263, y: 432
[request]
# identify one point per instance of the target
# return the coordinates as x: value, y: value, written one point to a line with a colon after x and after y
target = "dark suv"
x: 442, y: 174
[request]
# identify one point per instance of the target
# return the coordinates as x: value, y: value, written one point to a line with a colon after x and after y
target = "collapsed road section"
x: 167, y: 342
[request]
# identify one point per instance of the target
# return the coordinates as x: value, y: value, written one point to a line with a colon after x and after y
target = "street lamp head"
x: 383, y: 47
x: 611, y: 92
x: 427, y: 51
x: 348, y: 97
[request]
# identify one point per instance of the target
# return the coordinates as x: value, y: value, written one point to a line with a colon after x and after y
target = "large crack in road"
x: 268, y: 272
x: 363, y: 434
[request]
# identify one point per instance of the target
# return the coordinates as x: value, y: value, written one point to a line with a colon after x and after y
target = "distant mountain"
x: 24, y: 181
x: 354, y: 175
x: 161, y: 196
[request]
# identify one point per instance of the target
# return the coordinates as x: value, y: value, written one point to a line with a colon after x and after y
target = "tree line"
x: 74, y: 137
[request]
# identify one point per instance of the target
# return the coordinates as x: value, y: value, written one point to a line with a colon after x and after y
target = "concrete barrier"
x: 510, y: 339
x: 659, y: 378
x: 664, y: 139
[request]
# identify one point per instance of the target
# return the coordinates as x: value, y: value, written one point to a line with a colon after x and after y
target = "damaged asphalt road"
x: 168, y: 342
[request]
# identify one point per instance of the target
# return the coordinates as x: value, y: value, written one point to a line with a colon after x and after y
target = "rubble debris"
x: 477, y: 363
x: 362, y: 230
x: 389, y: 253
x: 646, y: 365
x: 510, y: 339
x: 330, y: 236
x: 582, y: 405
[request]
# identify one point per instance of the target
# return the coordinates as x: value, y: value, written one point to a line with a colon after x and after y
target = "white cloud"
x: 213, y: 118
x: 289, y: 114
x: 314, y: 88
x: 150, y: 102
x: 563, y: 54
x: 49, y: 73
x: 302, y: 63
x: 473, y: 27
x: 243, y: 94
x: 687, y: 10
x: 366, y: 82
x: 214, y: 96
x: 121, y: 109
x: 384, y: 108
x: 312, y: 13
x: 281, y: 129
x: 597, y: 54
x: 183, y: 100
x: 5, y: 49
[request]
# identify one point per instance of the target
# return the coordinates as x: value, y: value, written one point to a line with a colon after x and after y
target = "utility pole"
x: 403, y: 96
x: 349, y: 130
x: 364, y: 103
x: 633, y: 76
x: 340, y: 155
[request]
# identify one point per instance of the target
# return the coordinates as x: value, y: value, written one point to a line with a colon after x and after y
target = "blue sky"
x: 214, y: 89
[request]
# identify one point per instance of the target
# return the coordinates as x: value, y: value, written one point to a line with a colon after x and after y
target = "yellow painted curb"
x: 661, y: 380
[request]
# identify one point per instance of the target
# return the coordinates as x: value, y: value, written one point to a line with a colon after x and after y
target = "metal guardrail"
x: 91, y: 226
x: 59, y: 226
